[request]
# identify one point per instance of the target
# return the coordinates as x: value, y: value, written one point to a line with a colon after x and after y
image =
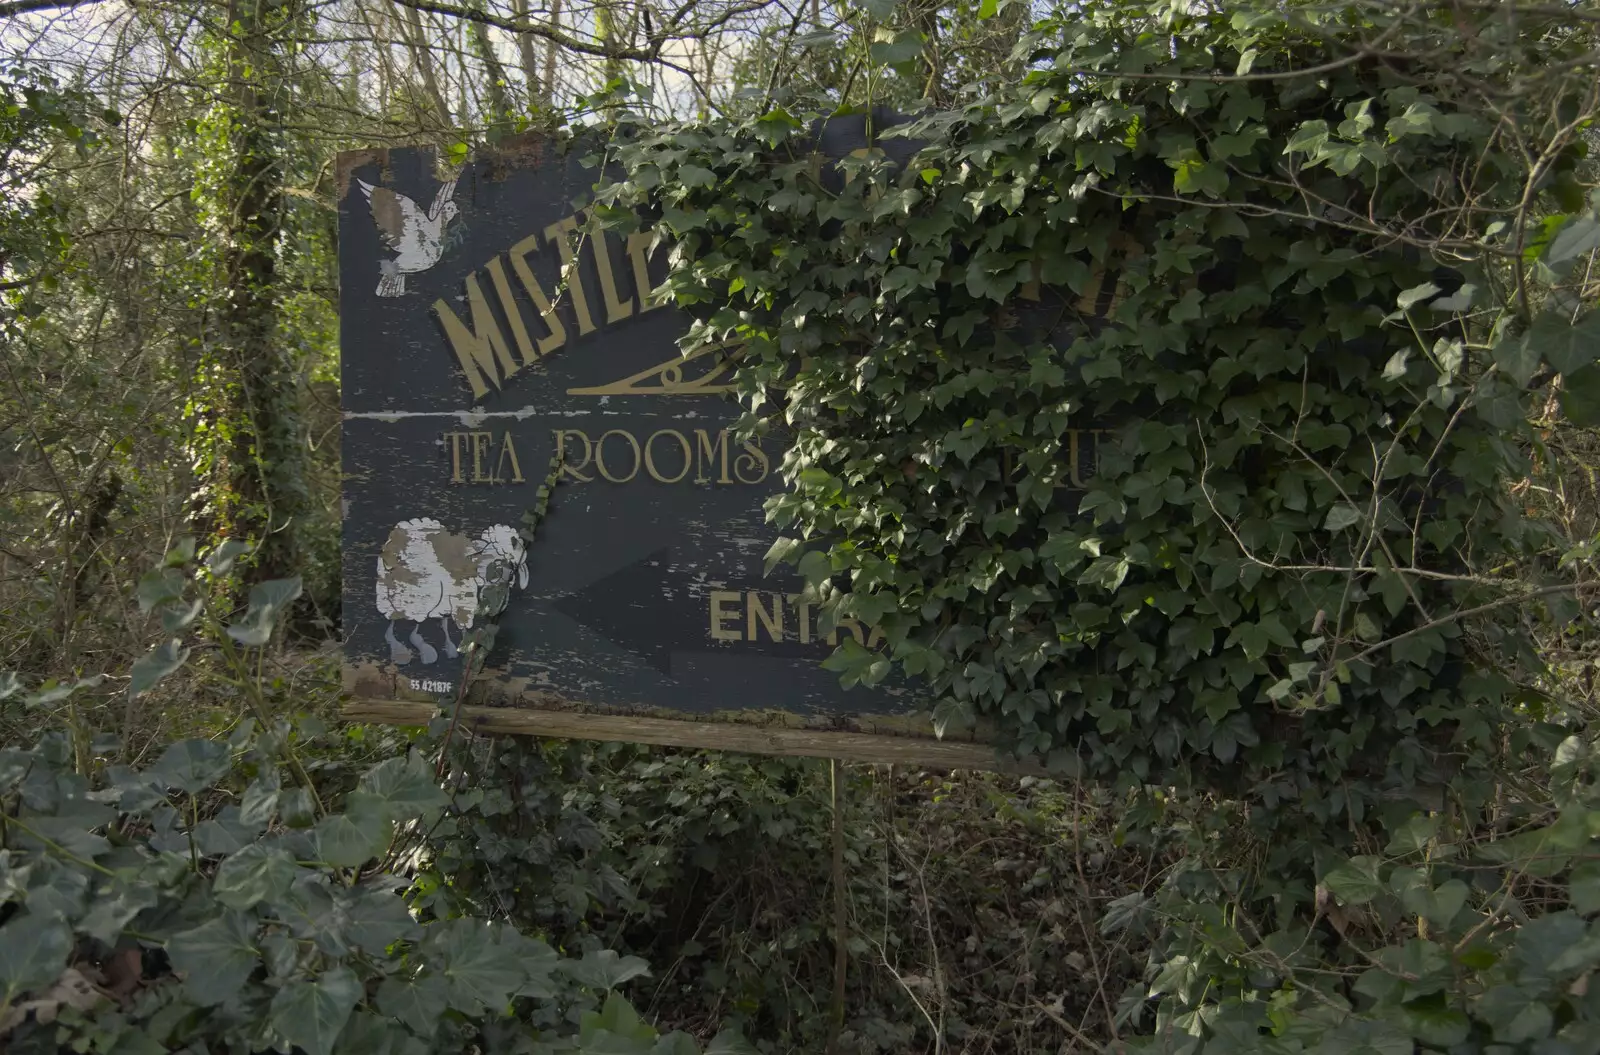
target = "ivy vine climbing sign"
x: 1267, y: 587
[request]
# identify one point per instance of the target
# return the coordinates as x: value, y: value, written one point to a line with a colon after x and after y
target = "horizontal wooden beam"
x: 719, y: 736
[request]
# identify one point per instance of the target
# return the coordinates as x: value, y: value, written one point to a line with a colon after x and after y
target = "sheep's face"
x: 501, y: 543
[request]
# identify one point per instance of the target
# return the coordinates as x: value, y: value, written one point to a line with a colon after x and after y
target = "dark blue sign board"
x: 482, y: 330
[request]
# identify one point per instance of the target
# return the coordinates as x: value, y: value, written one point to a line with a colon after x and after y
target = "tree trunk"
x: 550, y: 50
x: 417, y: 43
x: 499, y: 115
x: 537, y: 98
x: 256, y: 489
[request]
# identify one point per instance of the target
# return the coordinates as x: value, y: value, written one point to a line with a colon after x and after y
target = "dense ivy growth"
x: 1280, y: 580
x: 224, y: 898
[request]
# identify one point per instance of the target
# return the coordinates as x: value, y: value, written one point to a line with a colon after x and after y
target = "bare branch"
x: 12, y: 8
x: 676, y: 30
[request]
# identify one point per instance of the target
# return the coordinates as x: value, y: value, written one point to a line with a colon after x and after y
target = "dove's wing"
x: 446, y: 192
x: 396, y: 215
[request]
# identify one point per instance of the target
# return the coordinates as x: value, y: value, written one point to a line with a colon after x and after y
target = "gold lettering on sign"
x: 720, y: 614
x: 455, y: 440
x: 508, y: 450
x: 487, y: 357
x: 561, y: 233
x: 502, y: 288
x: 755, y: 611
x: 751, y: 467
x: 617, y: 455
x: 567, y: 466
x: 480, y: 447
x: 617, y: 309
x: 600, y: 455
x: 535, y: 292
x: 482, y: 348
x: 756, y: 616
x: 705, y: 452
x: 639, y: 243
x: 650, y: 458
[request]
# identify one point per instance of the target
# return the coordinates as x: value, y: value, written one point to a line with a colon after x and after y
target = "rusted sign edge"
x: 717, y: 736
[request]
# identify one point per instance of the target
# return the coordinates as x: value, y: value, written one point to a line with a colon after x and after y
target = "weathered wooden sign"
x: 483, y: 331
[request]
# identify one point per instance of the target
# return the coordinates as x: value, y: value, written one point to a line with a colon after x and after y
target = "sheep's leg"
x: 423, y: 648
x: 450, y: 650
x: 398, y: 653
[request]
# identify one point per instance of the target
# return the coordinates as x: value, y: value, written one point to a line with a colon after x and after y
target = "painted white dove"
x: 417, y: 238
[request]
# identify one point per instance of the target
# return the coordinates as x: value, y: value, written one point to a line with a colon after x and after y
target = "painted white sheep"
x: 426, y: 572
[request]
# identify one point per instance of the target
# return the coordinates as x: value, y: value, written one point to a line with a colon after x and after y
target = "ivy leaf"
x: 730, y: 1042
x: 696, y: 176
x: 191, y: 765
x: 260, y: 799
x: 1413, y: 836
x: 360, y: 833
x: 903, y: 47
x: 1125, y: 912
x: 419, y: 1001
x: 616, y: 1018
x: 224, y: 833
x: 1355, y: 882
x: 1567, y: 347
x: 1308, y: 138
x: 1461, y: 300
x: 605, y: 969
x: 1580, y: 396
x: 282, y: 953
x: 1579, y: 235
x: 257, y: 873
x: 1410, y: 297
x: 174, y: 617
x: 479, y: 968
x: 815, y: 567
x: 1583, y: 888
x: 215, y: 958
x: 781, y: 552
x: 1518, y: 356
x: 373, y: 920
x: 310, y: 1014
x: 951, y: 714
x: 1107, y: 572
x: 33, y: 950
x: 113, y: 907
x: 1446, y: 902
x: 1532, y: 1023
x: 155, y: 665
x: 406, y: 785
x: 268, y: 600
x: 1441, y: 1027
x: 1342, y: 515
x: 159, y: 587
x: 220, y: 560
x: 57, y: 693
